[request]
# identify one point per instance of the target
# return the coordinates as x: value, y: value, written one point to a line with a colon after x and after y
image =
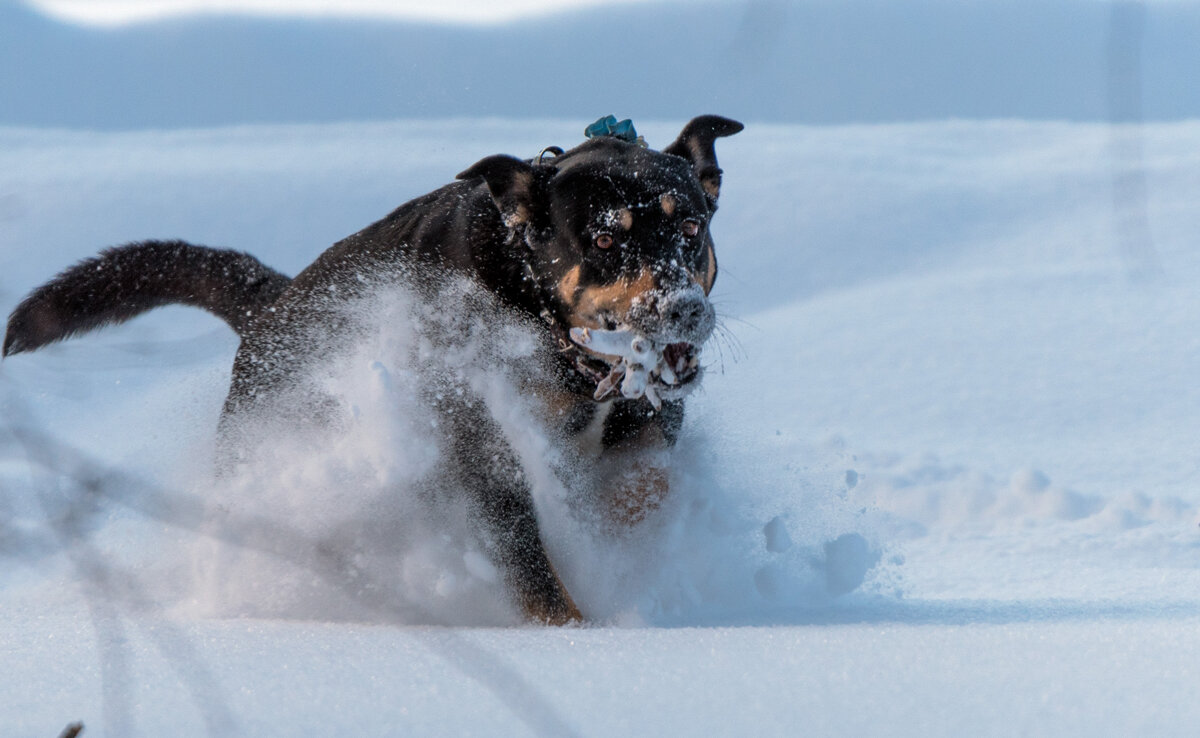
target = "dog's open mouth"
x: 640, y: 367
x: 683, y: 362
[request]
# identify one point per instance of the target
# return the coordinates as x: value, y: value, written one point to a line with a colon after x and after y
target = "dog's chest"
x: 589, y: 436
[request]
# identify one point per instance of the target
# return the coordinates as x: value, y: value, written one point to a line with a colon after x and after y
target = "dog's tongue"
x: 638, y: 357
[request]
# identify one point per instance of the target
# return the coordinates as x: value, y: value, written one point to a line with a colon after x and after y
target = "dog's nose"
x: 688, y: 311
x: 682, y: 309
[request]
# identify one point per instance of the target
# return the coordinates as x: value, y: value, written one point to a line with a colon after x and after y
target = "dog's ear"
x: 511, y: 183
x: 695, y: 143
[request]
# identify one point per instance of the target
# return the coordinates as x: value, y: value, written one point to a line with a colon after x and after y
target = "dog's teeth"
x: 668, y: 375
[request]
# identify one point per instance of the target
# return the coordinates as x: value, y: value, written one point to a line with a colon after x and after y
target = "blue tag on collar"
x: 610, y: 126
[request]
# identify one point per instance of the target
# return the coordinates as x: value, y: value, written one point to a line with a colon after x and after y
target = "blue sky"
x: 784, y: 61
x: 118, y: 12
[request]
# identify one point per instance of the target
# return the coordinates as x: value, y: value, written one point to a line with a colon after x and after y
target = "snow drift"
x: 946, y: 456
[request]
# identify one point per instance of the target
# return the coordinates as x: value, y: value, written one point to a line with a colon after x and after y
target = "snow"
x: 939, y: 478
x: 273, y: 678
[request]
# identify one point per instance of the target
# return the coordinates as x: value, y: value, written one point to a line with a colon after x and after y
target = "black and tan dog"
x: 606, y: 235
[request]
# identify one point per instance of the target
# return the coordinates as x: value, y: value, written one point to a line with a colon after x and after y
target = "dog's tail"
x: 125, y: 281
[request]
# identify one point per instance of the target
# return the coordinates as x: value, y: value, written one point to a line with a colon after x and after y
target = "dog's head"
x: 618, y: 235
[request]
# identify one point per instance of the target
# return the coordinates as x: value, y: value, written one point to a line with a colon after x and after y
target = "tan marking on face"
x: 615, y: 298
x: 568, y: 285
x: 712, y: 185
x: 668, y: 204
x: 709, y: 276
x: 625, y: 218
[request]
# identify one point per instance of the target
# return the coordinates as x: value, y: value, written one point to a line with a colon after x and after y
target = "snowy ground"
x: 961, y: 387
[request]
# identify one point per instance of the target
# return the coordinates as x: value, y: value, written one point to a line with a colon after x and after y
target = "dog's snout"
x: 680, y: 315
x: 682, y: 308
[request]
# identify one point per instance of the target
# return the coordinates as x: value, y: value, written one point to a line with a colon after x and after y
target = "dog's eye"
x: 689, y: 228
x: 604, y: 240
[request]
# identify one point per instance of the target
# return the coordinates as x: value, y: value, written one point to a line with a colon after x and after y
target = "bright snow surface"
x: 959, y: 381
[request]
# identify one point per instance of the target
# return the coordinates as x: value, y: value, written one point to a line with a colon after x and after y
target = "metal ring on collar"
x: 556, y: 150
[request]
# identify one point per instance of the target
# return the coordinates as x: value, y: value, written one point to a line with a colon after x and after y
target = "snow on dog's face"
x: 619, y: 238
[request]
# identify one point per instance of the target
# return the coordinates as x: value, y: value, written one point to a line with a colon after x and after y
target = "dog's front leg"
x: 636, y: 479
x: 508, y: 514
x: 638, y: 490
x: 491, y: 476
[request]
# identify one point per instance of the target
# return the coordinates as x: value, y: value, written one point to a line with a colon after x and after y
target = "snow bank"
x: 944, y: 450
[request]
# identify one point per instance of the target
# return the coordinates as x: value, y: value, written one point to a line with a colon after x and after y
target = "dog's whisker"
x: 729, y: 317
x: 720, y: 363
x: 723, y: 336
x: 735, y: 344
